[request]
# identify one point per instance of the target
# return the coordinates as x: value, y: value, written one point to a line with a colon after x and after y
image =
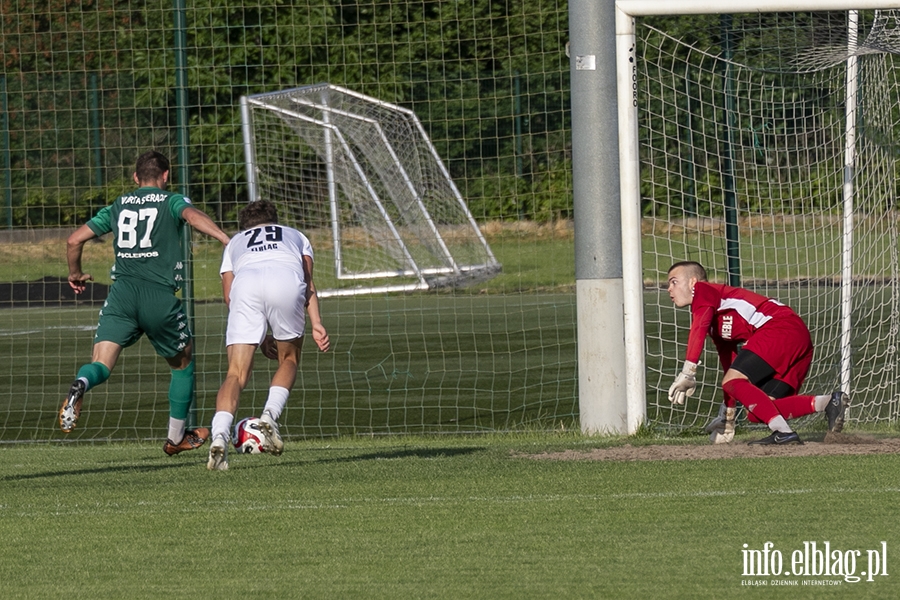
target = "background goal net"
x: 81, y: 97
x: 362, y: 178
x: 743, y: 138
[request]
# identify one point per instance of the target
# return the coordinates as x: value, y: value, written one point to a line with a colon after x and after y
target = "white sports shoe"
x: 218, y: 455
x: 272, y: 441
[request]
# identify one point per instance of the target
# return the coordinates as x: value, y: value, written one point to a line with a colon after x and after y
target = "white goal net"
x: 362, y: 179
x: 768, y: 152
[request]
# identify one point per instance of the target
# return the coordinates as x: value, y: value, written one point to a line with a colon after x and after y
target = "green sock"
x: 181, y: 391
x: 95, y: 373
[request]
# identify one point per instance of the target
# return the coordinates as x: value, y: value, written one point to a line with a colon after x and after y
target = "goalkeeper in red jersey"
x: 765, y: 351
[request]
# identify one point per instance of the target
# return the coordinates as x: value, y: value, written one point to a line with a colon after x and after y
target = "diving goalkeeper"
x: 765, y: 351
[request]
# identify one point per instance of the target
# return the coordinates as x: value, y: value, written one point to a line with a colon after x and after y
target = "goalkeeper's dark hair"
x: 259, y: 212
x: 150, y: 166
x: 694, y: 269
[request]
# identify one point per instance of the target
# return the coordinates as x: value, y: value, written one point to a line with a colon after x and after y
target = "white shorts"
x: 266, y: 296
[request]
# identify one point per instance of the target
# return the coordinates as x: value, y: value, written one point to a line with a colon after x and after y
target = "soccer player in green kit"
x: 147, y: 226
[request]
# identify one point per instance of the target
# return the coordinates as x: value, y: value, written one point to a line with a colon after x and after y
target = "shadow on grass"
x: 392, y: 455
x: 129, y: 468
x: 427, y: 453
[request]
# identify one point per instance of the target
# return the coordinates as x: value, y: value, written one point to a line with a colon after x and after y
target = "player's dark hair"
x: 150, y: 166
x: 259, y: 212
x: 694, y: 268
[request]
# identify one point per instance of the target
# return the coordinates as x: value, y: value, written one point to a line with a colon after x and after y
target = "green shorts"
x: 133, y: 309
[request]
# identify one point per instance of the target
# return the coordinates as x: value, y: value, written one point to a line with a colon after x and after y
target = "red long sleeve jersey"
x: 729, y: 315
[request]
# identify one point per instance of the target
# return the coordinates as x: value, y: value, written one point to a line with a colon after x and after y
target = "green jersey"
x: 147, y: 229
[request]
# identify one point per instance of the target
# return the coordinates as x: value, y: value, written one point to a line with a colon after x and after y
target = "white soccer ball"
x: 248, y: 439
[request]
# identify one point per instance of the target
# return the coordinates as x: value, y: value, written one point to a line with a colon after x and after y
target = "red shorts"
x: 785, y: 344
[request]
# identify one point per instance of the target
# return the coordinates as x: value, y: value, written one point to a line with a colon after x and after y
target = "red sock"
x: 796, y: 406
x: 760, y: 407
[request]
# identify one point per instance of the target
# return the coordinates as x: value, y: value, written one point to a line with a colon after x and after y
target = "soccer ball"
x: 248, y: 439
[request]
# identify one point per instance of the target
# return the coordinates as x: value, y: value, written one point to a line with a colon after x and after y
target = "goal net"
x: 361, y: 177
x: 768, y: 153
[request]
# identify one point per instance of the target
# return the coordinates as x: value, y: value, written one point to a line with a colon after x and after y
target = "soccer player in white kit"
x: 267, y: 280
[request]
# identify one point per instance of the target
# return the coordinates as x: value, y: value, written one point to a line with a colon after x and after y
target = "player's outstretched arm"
x: 320, y: 335
x: 74, y: 250
x: 202, y: 222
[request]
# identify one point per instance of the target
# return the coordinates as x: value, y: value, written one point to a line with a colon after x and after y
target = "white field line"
x: 230, y: 506
x: 8, y: 333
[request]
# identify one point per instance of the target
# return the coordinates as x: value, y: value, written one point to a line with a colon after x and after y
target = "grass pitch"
x: 432, y: 517
x: 405, y: 516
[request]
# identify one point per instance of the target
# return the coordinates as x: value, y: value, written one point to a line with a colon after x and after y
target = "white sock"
x: 221, y: 424
x: 822, y: 402
x: 277, y: 400
x: 176, y: 430
x: 779, y: 424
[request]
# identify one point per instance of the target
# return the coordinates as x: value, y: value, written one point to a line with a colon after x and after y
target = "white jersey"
x: 265, y: 244
x: 269, y: 288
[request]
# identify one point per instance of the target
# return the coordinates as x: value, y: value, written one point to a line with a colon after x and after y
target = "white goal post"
x: 637, y: 277
x: 362, y: 179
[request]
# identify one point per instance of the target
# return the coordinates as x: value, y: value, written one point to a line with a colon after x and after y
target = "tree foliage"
x: 98, y: 78
x: 89, y: 85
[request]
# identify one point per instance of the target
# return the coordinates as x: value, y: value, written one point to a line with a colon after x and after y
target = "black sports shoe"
x: 71, y: 407
x: 834, y: 411
x: 778, y: 438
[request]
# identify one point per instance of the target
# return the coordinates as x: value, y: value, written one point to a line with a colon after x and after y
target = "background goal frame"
x: 378, y: 161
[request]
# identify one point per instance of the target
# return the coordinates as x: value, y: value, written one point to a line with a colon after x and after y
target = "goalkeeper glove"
x: 718, y: 422
x: 724, y: 434
x: 685, y: 383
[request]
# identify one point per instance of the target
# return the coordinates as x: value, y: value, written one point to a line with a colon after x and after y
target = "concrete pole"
x: 598, y: 241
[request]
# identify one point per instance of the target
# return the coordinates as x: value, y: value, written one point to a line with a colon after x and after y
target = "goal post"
x: 364, y: 171
x: 815, y: 179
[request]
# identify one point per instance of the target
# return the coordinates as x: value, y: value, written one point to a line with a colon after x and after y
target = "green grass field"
x: 499, y: 355
x: 355, y: 515
x: 432, y: 517
x: 534, y: 257
x: 404, y: 364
